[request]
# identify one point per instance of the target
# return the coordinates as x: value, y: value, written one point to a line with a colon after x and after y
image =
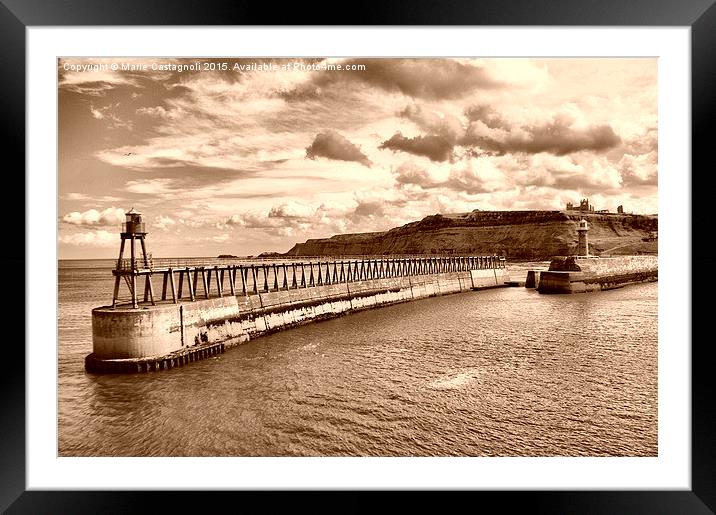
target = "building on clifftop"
x: 584, y: 206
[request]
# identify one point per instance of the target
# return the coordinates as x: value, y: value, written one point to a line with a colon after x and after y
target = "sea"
x: 501, y: 372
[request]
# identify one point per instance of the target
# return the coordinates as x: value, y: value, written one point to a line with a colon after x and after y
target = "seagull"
x: 128, y: 154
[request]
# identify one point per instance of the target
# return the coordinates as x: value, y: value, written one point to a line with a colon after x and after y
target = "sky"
x: 251, y: 155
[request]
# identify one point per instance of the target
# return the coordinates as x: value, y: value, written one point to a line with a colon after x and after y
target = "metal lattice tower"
x: 133, y: 229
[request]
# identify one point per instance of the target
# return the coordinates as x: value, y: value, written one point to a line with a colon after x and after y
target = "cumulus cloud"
x: 192, y: 224
x: 420, y: 78
x: 445, y: 125
x: 369, y: 209
x: 434, y: 147
x: 444, y: 132
x: 551, y: 174
x: 286, y: 214
x: 110, y: 216
x: 559, y: 137
x: 585, y: 174
x: 643, y: 143
x: 164, y: 222
x: 468, y: 179
x: 640, y: 170
x: 431, y: 79
x: 292, y: 209
x: 473, y: 177
x: 487, y: 115
x: 296, y: 218
x: 99, y: 238
x: 332, y: 145
x: 488, y: 131
x: 252, y: 221
x: 408, y: 173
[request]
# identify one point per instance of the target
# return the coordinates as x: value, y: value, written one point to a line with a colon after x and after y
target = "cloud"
x: 445, y: 125
x: 295, y: 218
x: 106, y: 113
x: 473, y: 177
x: 332, y: 145
x: 84, y: 197
x: 370, y: 209
x: 468, y: 180
x: 639, y: 170
x: 97, y: 114
x: 431, y: 79
x: 291, y: 213
x: 108, y: 217
x: 444, y: 133
x: 164, y: 222
x: 192, y: 223
x: 559, y: 137
x: 434, y: 147
x: 408, y: 173
x: 95, y: 77
x: 77, y: 196
x: 292, y: 209
x: 99, y: 238
x: 643, y: 143
x: 252, y: 221
x: 584, y: 173
x: 488, y: 131
x: 486, y: 115
x: 162, y: 113
x: 419, y: 78
x: 151, y: 186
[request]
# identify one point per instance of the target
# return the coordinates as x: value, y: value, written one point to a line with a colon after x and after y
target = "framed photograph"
x: 203, y: 185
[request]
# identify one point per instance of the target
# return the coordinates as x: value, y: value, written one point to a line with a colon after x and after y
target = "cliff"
x: 520, y: 235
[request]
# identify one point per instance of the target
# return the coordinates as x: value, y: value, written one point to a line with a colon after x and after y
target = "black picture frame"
x: 699, y: 15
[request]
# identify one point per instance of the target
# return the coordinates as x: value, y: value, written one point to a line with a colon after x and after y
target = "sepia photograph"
x: 357, y: 257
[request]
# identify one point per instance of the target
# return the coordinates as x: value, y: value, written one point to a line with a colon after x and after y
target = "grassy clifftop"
x: 517, y: 234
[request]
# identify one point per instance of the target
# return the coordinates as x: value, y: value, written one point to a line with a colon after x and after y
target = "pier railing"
x: 162, y: 263
x: 237, y: 278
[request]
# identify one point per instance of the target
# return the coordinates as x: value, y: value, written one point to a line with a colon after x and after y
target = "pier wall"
x: 153, y: 332
x: 574, y: 274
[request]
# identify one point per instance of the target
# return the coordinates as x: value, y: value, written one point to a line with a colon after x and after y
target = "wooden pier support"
x: 204, y: 282
x: 175, y: 360
x: 171, y: 279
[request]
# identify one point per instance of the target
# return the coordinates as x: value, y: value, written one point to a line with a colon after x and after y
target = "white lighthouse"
x: 583, y: 244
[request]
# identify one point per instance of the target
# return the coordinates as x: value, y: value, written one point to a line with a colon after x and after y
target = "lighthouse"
x: 583, y: 243
x: 133, y: 229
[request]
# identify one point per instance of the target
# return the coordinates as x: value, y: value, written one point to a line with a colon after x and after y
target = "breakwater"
x: 579, y: 274
x: 189, y: 322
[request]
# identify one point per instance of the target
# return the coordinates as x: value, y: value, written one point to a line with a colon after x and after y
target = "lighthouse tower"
x: 132, y: 229
x: 583, y: 243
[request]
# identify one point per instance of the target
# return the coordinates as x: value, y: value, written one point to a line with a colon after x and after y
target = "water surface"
x: 506, y: 372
